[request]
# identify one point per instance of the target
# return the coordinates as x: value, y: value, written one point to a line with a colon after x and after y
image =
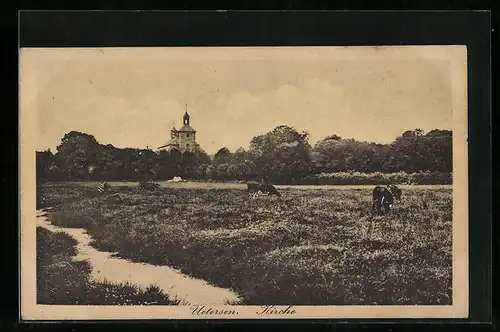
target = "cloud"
x: 304, y: 106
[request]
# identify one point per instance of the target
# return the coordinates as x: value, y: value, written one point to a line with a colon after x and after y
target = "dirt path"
x: 117, y: 270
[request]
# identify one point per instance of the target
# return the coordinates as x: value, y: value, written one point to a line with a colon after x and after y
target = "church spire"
x: 186, y: 117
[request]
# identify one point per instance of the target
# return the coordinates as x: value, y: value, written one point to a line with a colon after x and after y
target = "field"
x: 314, y: 246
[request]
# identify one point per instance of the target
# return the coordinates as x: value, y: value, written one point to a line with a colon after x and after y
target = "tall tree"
x: 223, y: 156
x: 282, y: 154
x: 45, y: 163
x: 410, y: 150
x: 439, y: 143
x: 76, y: 154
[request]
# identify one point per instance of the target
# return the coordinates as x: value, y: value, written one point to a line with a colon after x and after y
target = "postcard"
x: 243, y: 182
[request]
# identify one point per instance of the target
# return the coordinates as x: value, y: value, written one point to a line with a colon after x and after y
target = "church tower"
x: 183, y: 139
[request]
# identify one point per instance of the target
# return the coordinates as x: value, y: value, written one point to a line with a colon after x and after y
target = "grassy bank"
x: 62, y: 281
x: 313, y: 247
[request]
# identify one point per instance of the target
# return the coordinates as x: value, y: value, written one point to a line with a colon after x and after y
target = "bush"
x: 377, y: 178
x: 431, y: 178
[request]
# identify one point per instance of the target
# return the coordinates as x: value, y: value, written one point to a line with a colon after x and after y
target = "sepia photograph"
x: 244, y: 182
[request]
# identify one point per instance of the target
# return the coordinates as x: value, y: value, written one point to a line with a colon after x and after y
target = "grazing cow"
x: 395, y: 191
x: 382, y: 200
x: 268, y: 189
x: 252, y: 187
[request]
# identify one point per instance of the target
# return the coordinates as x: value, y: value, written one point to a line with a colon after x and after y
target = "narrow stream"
x: 172, y: 282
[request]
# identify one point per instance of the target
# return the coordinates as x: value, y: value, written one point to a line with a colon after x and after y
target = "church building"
x: 183, y: 139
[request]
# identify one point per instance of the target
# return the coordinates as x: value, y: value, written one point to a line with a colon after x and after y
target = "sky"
x: 130, y: 97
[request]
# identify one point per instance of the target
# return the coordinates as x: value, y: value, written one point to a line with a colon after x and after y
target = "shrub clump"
x: 378, y: 178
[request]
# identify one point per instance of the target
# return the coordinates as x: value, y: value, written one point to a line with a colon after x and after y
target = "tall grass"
x: 311, y: 247
x: 62, y: 281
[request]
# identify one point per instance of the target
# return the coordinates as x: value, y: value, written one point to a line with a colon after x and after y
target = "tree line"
x: 283, y: 155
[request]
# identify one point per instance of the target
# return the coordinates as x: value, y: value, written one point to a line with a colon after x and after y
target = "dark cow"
x: 396, y: 192
x: 382, y: 200
x: 252, y: 187
x: 268, y: 189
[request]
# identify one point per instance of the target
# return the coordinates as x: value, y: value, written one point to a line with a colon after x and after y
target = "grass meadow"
x: 312, y: 247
